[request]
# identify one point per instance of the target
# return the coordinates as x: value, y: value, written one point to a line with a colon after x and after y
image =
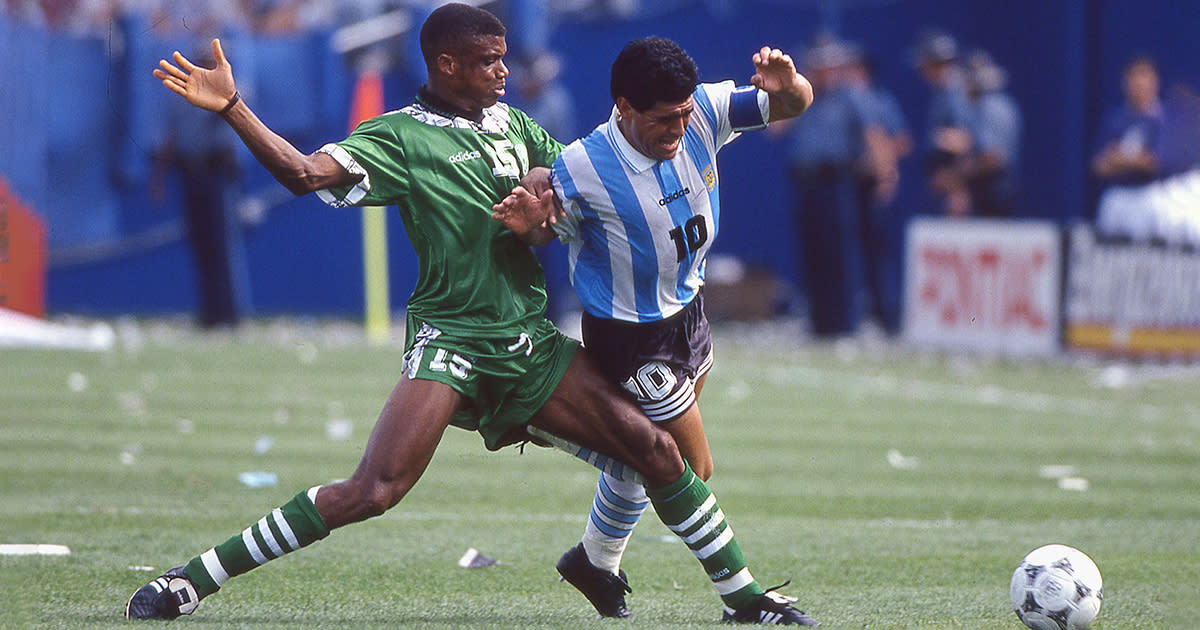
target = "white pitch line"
x: 34, y: 550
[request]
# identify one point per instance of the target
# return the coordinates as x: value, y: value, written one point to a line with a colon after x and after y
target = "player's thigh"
x: 591, y: 411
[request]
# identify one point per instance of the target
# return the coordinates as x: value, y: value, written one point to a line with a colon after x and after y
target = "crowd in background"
x: 175, y: 16
x: 845, y: 153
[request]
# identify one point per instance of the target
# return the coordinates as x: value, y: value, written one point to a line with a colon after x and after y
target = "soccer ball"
x: 1056, y: 587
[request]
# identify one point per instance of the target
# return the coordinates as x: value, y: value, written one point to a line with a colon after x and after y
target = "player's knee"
x: 371, y: 498
x: 382, y: 496
x: 703, y: 468
x: 659, y: 457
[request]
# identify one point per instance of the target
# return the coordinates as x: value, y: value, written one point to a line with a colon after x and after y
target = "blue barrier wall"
x: 80, y: 119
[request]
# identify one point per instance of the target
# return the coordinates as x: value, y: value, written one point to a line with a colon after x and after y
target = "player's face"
x: 479, y: 73
x: 656, y: 132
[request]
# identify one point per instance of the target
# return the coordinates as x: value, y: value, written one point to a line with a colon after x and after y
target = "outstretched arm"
x: 214, y: 90
x: 775, y: 73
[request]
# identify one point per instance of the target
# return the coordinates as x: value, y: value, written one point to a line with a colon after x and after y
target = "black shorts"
x: 658, y: 363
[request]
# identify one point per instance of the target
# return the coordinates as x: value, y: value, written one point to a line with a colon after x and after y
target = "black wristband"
x: 237, y: 96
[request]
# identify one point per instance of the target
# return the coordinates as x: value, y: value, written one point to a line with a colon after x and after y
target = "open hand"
x: 522, y: 211
x: 774, y: 71
x: 209, y: 89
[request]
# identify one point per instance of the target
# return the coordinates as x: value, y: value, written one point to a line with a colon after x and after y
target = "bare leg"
x: 408, y: 431
x: 405, y: 436
x: 590, y: 411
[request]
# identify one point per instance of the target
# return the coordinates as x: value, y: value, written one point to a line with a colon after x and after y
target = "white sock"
x: 616, y: 509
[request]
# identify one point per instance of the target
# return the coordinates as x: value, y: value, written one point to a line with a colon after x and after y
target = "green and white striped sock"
x: 289, y: 527
x: 690, y: 510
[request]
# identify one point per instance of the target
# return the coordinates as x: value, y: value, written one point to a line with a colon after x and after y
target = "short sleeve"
x: 375, y: 151
x: 728, y: 109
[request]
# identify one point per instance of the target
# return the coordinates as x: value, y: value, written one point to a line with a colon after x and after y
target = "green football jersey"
x: 444, y: 173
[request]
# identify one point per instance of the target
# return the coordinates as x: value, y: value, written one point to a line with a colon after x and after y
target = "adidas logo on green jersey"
x: 465, y: 156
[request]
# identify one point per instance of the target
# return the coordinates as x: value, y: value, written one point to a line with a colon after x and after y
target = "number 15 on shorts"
x: 443, y: 361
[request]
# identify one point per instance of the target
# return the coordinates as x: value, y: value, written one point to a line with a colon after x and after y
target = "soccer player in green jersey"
x: 479, y: 352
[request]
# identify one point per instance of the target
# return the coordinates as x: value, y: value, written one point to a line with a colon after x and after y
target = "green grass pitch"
x: 895, y: 489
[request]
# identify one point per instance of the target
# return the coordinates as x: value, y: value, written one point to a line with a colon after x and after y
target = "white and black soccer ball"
x: 1056, y: 587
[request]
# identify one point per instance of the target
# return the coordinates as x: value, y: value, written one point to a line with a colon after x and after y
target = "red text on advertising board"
x: 986, y: 286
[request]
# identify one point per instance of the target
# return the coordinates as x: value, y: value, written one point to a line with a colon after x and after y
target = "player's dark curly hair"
x: 653, y: 70
x: 452, y: 27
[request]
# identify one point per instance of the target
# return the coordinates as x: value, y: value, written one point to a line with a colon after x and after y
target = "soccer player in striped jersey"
x: 480, y: 353
x: 639, y: 207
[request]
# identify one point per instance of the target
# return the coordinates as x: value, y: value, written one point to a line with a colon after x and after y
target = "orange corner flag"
x: 367, y: 100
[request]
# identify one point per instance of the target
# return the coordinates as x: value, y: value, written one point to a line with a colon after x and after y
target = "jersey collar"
x: 636, y: 160
x: 436, y: 104
x: 493, y: 120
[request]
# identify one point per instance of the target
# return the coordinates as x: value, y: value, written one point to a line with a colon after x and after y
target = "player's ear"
x: 446, y: 64
x: 624, y: 107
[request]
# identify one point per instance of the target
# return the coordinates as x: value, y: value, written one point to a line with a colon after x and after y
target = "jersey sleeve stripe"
x: 356, y: 193
x: 705, y: 105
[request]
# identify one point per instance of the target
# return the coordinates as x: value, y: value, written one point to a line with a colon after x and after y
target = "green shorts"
x: 504, y: 381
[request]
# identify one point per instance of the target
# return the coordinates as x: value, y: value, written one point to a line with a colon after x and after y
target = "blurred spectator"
x: 827, y: 145
x: 1131, y: 133
x: 202, y: 151
x: 886, y: 141
x: 77, y: 17
x: 195, y: 17
x: 1148, y: 161
x: 990, y: 166
x: 946, y: 135
x: 281, y: 17
x: 1128, y: 159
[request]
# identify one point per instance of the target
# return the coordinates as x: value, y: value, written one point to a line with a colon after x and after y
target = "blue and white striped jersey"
x: 638, y: 229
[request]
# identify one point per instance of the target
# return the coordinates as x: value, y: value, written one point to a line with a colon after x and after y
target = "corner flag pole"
x: 367, y: 102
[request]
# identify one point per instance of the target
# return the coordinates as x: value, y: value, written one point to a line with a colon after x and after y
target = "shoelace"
x: 780, y: 598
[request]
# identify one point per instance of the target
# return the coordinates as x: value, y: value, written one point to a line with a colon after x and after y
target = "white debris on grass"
x: 1076, y: 484
x: 129, y: 454
x: 900, y: 461
x: 1065, y: 476
x: 263, y: 444
x: 258, y: 479
x: 472, y: 559
x: 77, y: 382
